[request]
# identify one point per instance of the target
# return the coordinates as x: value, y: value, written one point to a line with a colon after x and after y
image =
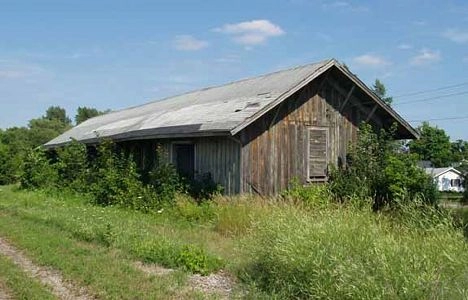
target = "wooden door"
x: 318, y: 154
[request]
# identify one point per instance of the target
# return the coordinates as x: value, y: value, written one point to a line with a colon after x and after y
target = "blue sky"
x: 114, y: 54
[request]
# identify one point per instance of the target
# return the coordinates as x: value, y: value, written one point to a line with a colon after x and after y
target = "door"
x: 185, y: 159
x: 318, y: 154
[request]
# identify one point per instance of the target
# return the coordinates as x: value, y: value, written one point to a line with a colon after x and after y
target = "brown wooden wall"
x: 275, y: 148
x: 219, y: 156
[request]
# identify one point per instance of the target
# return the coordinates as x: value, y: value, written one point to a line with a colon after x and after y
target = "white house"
x: 448, y: 179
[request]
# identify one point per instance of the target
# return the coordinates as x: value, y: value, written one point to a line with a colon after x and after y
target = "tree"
x: 380, y: 90
x: 433, y: 145
x: 460, y: 150
x: 84, y: 113
x: 57, y: 113
x: 52, y: 124
x: 43, y: 130
x: 17, y: 142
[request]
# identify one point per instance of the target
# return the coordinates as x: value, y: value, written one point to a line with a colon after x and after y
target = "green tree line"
x: 16, y: 142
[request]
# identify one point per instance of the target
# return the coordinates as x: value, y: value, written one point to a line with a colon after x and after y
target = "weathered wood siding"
x: 276, y: 148
x: 219, y: 156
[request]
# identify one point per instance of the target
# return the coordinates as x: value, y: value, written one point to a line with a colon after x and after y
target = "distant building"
x: 448, y: 179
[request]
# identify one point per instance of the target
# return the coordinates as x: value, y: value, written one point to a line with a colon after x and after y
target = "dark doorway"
x: 185, y: 159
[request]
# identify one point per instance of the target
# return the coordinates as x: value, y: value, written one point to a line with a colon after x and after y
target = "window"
x: 184, y: 159
x: 455, y: 182
x: 318, y: 154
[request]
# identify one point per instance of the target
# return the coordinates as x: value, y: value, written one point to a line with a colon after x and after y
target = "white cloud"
x: 425, y: 57
x: 370, y: 60
x: 405, y: 47
x: 456, y: 35
x: 251, y: 33
x: 189, y: 43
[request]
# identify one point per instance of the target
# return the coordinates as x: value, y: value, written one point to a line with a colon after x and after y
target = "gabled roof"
x: 221, y: 110
x: 436, y: 172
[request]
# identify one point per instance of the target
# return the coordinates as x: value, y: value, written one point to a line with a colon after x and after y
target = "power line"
x: 441, y: 119
x: 431, y: 98
x: 431, y: 90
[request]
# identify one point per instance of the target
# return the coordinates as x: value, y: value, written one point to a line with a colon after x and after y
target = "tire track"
x: 47, y: 276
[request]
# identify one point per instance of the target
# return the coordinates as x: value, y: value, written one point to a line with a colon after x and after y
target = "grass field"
x: 70, y: 237
x: 275, y: 250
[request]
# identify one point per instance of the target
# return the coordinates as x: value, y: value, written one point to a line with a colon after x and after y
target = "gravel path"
x: 60, y: 288
x: 4, y: 295
x: 220, y: 284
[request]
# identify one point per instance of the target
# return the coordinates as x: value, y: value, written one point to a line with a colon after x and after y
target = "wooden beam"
x: 355, y: 101
x: 347, y: 98
x: 371, y: 113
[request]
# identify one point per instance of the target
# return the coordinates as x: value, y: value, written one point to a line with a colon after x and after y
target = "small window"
x: 455, y: 182
x: 318, y: 154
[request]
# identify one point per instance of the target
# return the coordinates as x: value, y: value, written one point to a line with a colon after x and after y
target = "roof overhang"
x: 146, y: 135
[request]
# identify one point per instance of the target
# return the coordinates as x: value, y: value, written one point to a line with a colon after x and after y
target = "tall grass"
x: 300, y: 246
x: 349, y: 253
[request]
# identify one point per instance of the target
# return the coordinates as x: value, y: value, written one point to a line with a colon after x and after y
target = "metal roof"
x: 221, y: 110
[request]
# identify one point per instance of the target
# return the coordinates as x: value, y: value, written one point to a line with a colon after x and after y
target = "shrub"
x: 203, y: 187
x: 38, y: 171
x: 188, y: 209
x: 196, y: 260
x: 376, y: 169
x: 355, y: 254
x: 316, y: 195
x: 7, y: 165
x: 115, y: 180
x: 72, y: 166
x: 170, y: 254
x: 164, y: 179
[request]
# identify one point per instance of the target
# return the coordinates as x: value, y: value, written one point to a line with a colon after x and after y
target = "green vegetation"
x: 43, y: 227
x: 379, y: 89
x: 304, y: 246
x: 128, y: 231
x: 356, y: 254
x: 461, y: 219
x: 84, y: 113
x: 377, y: 170
x: 19, y: 284
x: 17, y: 142
x: 433, y: 145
